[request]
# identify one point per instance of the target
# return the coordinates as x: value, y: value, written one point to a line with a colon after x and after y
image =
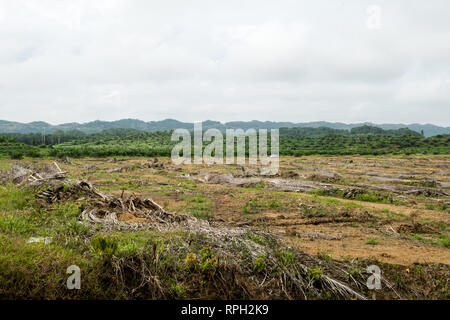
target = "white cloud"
x: 64, y: 61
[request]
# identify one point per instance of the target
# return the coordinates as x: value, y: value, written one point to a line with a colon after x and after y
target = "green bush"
x: 104, y: 246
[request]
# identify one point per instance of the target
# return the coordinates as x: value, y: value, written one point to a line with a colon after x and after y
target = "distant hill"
x: 168, y: 124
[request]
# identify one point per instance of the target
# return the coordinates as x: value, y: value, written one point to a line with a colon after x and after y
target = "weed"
x: 315, y: 273
x: 191, y: 261
x: 12, y: 198
x: 367, y: 197
x: 256, y: 206
x: 199, y: 207
x: 179, y: 290
x: 325, y: 257
x: 208, y: 260
x: 418, y: 237
x: 285, y: 257
x: 256, y: 238
x: 372, y: 241
x: 103, y: 246
x: 260, y: 263
x: 445, y: 240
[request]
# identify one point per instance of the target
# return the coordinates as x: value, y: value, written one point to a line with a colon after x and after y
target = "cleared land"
x: 275, y: 237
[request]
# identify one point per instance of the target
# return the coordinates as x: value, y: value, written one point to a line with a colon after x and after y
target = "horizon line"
x: 225, y: 122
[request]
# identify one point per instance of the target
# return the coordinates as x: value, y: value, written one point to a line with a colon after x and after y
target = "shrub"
x: 208, y: 260
x: 16, y: 155
x: 260, y: 263
x: 191, y: 260
x: 103, y: 246
x: 315, y: 274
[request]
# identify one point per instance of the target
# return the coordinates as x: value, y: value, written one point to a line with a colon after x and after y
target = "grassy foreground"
x: 177, y: 263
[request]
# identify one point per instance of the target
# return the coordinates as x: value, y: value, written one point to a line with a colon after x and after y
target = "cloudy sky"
x: 285, y: 60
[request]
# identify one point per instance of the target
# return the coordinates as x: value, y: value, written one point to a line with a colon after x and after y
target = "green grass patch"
x: 372, y: 242
x: 198, y: 206
x: 256, y: 206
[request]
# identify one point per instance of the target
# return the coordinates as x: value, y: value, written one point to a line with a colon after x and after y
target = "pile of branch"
x: 111, y: 211
x: 155, y: 164
x: 34, y: 176
x: 427, y: 192
x: 108, y: 209
x: 416, y: 227
x: 352, y: 192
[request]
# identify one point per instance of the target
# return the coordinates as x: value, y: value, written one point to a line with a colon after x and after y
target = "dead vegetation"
x: 294, y: 279
x: 416, y: 227
x: 245, y: 261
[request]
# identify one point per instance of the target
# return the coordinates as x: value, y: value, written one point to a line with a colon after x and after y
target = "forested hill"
x: 79, y: 137
x: 168, y: 124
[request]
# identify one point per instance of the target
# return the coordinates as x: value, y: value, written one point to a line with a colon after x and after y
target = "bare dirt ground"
x: 392, y: 209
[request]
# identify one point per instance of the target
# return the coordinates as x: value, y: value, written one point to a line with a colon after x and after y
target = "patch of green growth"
x: 325, y: 257
x: 256, y: 238
x: 102, y: 174
x: 5, y: 166
x: 104, y: 246
x: 16, y: 155
x: 427, y: 183
x: 208, y: 260
x: 135, y: 167
x: 315, y: 273
x: 33, y: 271
x: 399, y: 281
x: 259, y: 186
x: 372, y: 241
x: 191, y: 261
x: 442, y: 226
x: 285, y: 257
x: 179, y: 290
x: 418, y: 237
x: 317, y: 192
x: 198, y: 206
x: 355, y: 270
x: 260, y: 263
x: 392, y: 215
x: 63, y: 221
x: 367, y: 197
x: 353, y: 205
x: 256, y: 206
x: 444, y: 240
x: 331, y: 200
x: 131, y: 185
x: 373, y: 224
x: 16, y: 224
x: 13, y: 198
x: 199, y: 198
x: 419, y: 269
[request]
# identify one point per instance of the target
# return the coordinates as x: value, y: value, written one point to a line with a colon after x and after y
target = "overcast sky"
x: 347, y: 61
